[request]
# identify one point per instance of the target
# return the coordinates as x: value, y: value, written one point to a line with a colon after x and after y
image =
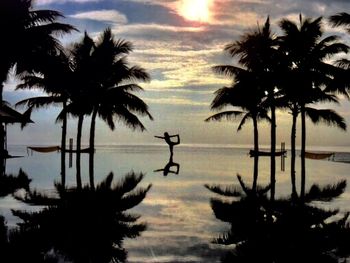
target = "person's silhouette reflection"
x: 168, y: 140
x: 167, y: 168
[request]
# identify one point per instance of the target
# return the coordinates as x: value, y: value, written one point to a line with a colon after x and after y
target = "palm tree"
x: 80, y: 95
x: 257, y: 53
x: 56, y: 81
x: 29, y: 39
x: 112, y: 83
x: 244, y: 94
x: 307, y: 53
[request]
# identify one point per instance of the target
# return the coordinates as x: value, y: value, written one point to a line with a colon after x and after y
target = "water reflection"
x: 168, y: 167
x: 10, y: 183
x: 77, y: 224
x: 283, y: 230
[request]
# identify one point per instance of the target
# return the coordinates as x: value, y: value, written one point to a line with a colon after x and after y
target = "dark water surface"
x: 181, y: 224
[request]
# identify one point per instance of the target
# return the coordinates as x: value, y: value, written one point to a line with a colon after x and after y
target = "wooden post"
x: 283, y: 156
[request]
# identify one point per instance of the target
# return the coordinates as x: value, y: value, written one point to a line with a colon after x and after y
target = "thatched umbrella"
x: 10, y: 116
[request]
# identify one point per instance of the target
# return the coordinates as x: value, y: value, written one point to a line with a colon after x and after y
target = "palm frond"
x: 243, y: 121
x: 128, y: 87
x: 228, y: 70
x: 129, y: 119
x: 343, y: 63
x: 228, y: 115
x: 113, y: 97
x: 325, y: 193
x: 133, y: 199
x: 137, y: 73
x: 53, y: 28
x: 245, y: 188
x: 129, y: 182
x: 340, y: 19
x: 229, y: 191
x: 327, y: 116
x: 40, y: 102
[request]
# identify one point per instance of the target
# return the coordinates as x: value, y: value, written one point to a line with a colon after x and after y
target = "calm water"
x: 180, y: 221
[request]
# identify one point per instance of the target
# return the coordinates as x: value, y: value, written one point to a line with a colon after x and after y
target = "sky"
x: 178, y: 42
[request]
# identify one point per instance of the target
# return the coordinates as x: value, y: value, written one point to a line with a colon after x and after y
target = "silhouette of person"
x: 167, y: 168
x: 168, y: 140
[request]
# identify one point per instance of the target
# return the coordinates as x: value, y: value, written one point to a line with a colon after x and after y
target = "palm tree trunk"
x: 292, y: 161
x: 3, y: 152
x: 63, y: 146
x: 1, y: 90
x: 78, y: 149
x: 273, y: 151
x: 2, y: 128
x: 303, y: 147
x: 256, y: 157
x: 92, y: 148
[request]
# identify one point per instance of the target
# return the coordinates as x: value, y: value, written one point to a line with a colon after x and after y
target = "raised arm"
x: 160, y: 137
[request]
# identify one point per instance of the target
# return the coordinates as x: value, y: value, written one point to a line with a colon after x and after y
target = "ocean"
x: 180, y: 221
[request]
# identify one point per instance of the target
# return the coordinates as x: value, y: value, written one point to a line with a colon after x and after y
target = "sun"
x: 195, y: 10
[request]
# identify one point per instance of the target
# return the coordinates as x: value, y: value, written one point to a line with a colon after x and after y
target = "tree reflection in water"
x: 283, y: 230
x: 78, y: 225
x: 10, y: 183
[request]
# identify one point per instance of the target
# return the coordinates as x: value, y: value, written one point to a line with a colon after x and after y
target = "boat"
x: 48, y: 149
x: 318, y: 155
x: 253, y: 153
x: 43, y: 149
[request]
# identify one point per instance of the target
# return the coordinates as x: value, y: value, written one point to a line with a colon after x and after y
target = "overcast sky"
x: 177, y: 42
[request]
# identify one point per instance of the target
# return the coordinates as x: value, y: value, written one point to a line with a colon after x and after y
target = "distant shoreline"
x: 339, y: 149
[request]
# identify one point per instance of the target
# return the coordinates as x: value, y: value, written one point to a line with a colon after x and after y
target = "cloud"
x: 156, y: 29
x: 176, y: 101
x: 103, y: 15
x: 47, y: 2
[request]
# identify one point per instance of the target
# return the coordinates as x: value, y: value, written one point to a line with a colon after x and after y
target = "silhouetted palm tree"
x: 80, y: 100
x: 113, y: 82
x: 257, y: 53
x: 56, y: 80
x: 307, y: 54
x: 29, y: 40
x: 80, y: 225
x: 244, y: 94
x: 291, y: 100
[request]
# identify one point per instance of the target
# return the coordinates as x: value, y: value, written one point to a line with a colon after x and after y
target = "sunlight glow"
x: 195, y: 10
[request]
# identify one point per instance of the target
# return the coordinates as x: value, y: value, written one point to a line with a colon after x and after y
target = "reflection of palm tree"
x: 167, y: 168
x: 29, y: 38
x: 281, y: 231
x: 10, y: 183
x: 306, y: 53
x: 82, y: 225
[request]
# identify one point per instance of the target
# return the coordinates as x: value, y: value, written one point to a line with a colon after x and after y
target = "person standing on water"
x: 168, y: 140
